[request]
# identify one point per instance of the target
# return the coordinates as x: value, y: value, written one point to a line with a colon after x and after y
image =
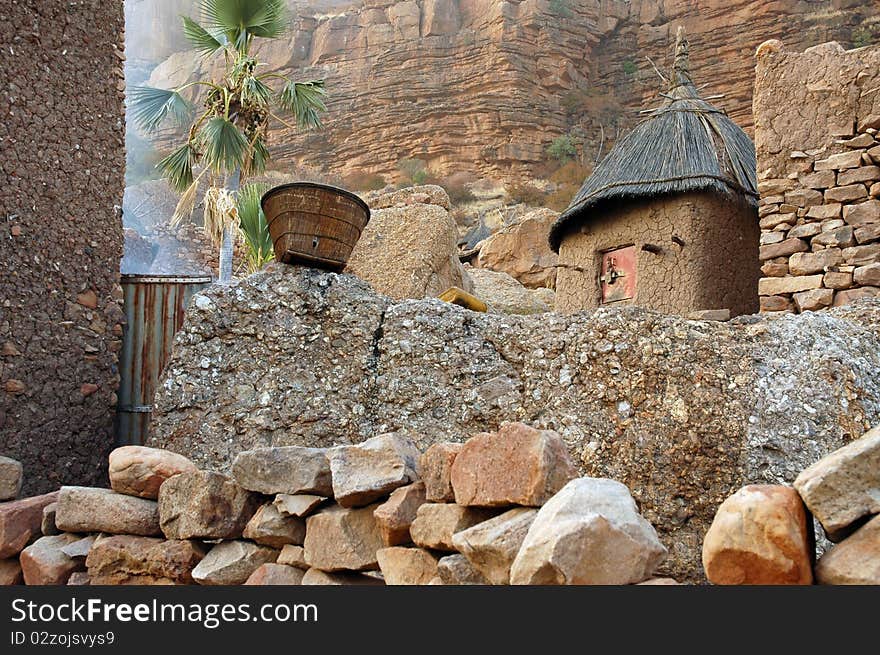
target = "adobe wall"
x: 63, y: 160
x: 816, y: 119
x: 714, y: 268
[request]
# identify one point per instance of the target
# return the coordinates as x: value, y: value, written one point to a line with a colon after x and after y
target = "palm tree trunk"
x: 227, y: 246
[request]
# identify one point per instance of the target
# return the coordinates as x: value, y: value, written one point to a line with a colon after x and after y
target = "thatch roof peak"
x: 685, y: 145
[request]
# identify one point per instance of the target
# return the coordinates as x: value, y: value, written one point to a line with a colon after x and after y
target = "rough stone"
x: 88, y: 509
x: 863, y: 213
x: 426, y: 194
x: 204, y: 505
x: 867, y: 275
x: 130, y: 560
x: 504, y: 295
x: 840, y: 162
x: 139, y: 470
x: 824, y: 212
x: 78, y: 578
x: 847, y: 296
x: 492, y: 545
x: 521, y: 250
x: 774, y: 286
x: 805, y: 231
x: 10, y: 572
x: 844, y: 486
x: 803, y: 197
x: 319, y: 577
x: 409, y: 252
x: 79, y: 548
x: 43, y: 562
x: 518, y: 465
x: 760, y: 535
x: 660, y: 582
x: 275, y: 574
x: 862, y: 255
x: 232, y: 562
x: 21, y: 521
x: 821, y: 179
x: 867, y: 233
x: 807, y: 263
x: 855, y: 560
x: 269, y: 527
x: 47, y: 525
x: 775, y: 268
x: 620, y: 384
x: 589, y: 533
x: 857, y: 175
x: 813, y: 299
x: 396, y: 514
x: 10, y: 478
x: 293, y: 556
x: 781, y: 249
x: 339, y: 538
x: 284, y: 470
x: 407, y: 566
x: 457, y: 570
x: 775, y: 303
x: 435, y: 466
x: 366, y: 472
x: 436, y: 524
x: 299, y: 505
x: 839, y: 238
x: 846, y: 193
x: 837, y: 280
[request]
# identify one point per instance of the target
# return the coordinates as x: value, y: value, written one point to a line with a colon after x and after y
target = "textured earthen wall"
x: 62, y: 155
x: 714, y: 268
x: 816, y: 119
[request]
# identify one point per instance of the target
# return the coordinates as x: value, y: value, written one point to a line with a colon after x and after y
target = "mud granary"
x: 668, y: 220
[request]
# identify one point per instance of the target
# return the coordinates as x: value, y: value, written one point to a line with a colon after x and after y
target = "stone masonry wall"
x: 62, y: 156
x: 817, y: 115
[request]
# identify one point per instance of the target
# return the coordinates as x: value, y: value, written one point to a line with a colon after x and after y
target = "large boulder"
x: 504, y: 295
x: 521, y: 250
x: 140, y: 471
x: 683, y: 412
x: 365, y: 472
x: 124, y: 559
x: 410, y: 250
x: 204, y: 505
x: 856, y: 560
x: 90, y: 509
x: 10, y: 478
x: 21, y: 521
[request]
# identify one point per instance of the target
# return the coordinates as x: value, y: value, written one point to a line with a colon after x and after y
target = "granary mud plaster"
x: 682, y: 412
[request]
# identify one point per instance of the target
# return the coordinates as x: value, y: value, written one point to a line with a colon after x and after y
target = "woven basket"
x: 314, y: 224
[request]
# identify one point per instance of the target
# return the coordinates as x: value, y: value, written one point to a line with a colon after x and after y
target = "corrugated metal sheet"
x: 155, y: 306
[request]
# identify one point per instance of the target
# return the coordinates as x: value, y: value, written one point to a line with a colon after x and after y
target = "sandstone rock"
x: 867, y: 275
x: 846, y: 193
x: 782, y: 249
x: 804, y: 231
x: 435, y: 465
x: 20, y: 522
x: 232, y: 562
x: 851, y: 295
x: 126, y: 560
x: 395, y: 515
x: 368, y: 471
x: 803, y: 197
x: 284, y: 470
x: 870, y: 232
x: 759, y: 536
x: 318, y: 577
x: 837, y: 280
x: 588, y: 533
x: 862, y: 214
x: 521, y: 250
x: 813, y: 299
x: 78, y: 578
x: 204, y: 505
x: 504, y: 295
x: 43, y: 562
x: 409, y: 252
x: 821, y: 179
x: 10, y: 478
x: 88, y: 509
x: 79, y: 548
x: 458, y: 570
x: 139, y: 471
x: 807, y: 263
x: 293, y: 556
x: 772, y: 221
x: 838, y: 238
x: 862, y: 255
x: 774, y: 303
x: 824, y: 212
x: 10, y: 572
x: 492, y: 545
x: 299, y: 505
x: 774, y: 286
x: 427, y: 194
x: 407, y: 566
x: 868, y: 122
x: 844, y: 486
x: 269, y: 527
x: 775, y: 268
x: 339, y: 539
x: 47, y: 525
x: 436, y: 523
x: 855, y: 560
x: 518, y: 465
x: 857, y: 175
x: 275, y: 574
x: 447, y: 374
x: 840, y: 162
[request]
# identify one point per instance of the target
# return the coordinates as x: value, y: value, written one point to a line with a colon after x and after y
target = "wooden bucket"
x: 314, y: 224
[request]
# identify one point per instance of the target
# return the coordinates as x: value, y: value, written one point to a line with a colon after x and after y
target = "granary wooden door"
x: 617, y: 279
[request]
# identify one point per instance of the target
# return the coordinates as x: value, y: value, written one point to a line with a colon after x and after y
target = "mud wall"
x: 62, y: 154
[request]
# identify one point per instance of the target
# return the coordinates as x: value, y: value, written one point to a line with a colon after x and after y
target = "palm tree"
x: 228, y: 139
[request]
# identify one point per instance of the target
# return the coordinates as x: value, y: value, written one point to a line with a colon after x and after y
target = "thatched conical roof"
x: 685, y: 145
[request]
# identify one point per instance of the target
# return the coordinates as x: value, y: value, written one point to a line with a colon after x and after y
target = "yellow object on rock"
x: 460, y: 297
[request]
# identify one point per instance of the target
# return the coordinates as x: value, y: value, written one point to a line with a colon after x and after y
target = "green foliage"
x: 150, y: 107
x: 560, y: 8
x: 630, y: 68
x: 865, y: 36
x: 562, y: 148
x: 253, y: 227
x: 414, y: 171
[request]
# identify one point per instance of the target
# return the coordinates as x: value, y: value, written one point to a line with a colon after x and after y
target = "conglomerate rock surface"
x: 682, y: 412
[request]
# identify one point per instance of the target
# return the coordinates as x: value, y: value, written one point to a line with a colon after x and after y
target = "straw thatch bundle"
x: 685, y: 145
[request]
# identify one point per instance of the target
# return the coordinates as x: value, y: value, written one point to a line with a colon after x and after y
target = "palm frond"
x: 177, y: 167
x: 253, y: 226
x: 305, y: 100
x: 240, y: 19
x: 220, y: 213
x: 150, y: 106
x: 258, y: 157
x: 187, y: 202
x: 224, y: 146
x: 254, y: 91
x: 201, y: 39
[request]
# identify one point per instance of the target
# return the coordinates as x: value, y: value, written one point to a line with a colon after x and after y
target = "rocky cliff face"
x: 485, y: 85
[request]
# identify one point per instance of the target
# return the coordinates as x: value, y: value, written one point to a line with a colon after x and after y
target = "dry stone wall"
x: 62, y: 155
x: 817, y: 117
